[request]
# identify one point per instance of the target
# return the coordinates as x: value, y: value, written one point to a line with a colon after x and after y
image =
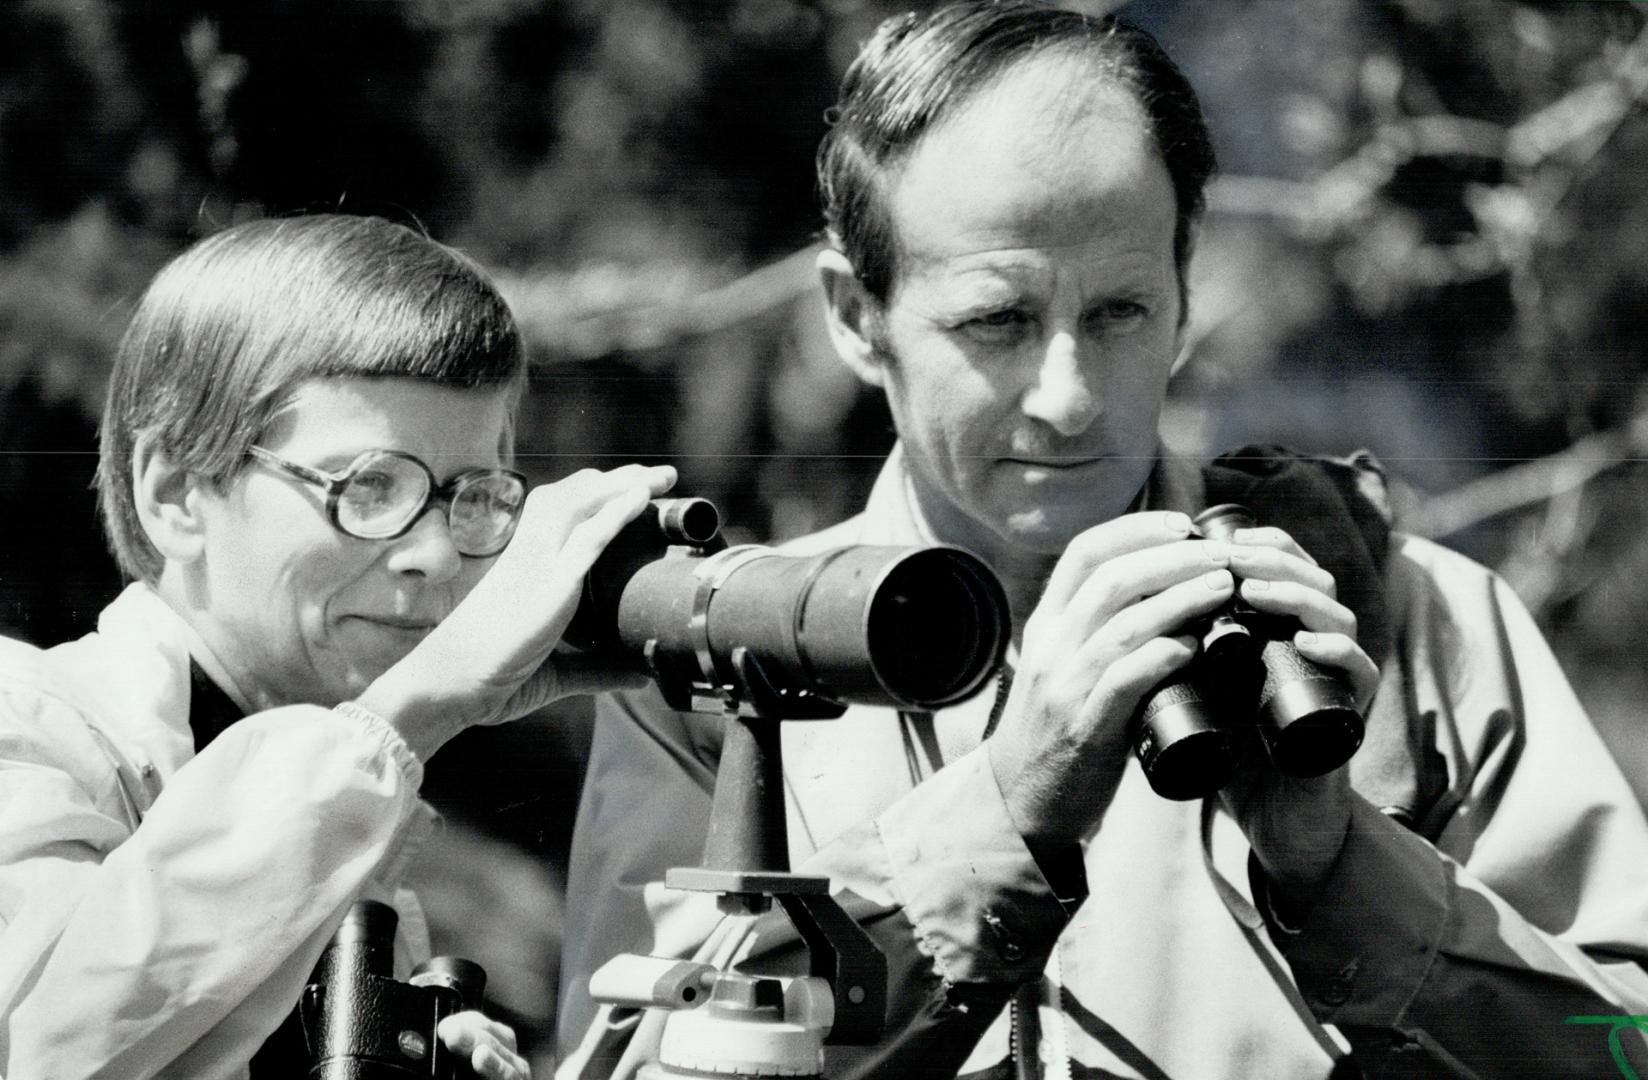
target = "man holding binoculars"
x: 1011, y: 193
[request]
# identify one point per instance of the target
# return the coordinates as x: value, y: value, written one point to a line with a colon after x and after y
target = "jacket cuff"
x: 411, y: 769
x: 978, y: 901
x: 1372, y: 934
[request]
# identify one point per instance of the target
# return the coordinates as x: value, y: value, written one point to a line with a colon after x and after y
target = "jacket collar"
x: 142, y: 651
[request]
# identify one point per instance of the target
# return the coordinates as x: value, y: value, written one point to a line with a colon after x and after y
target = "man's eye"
x: 1120, y: 311
x: 997, y: 325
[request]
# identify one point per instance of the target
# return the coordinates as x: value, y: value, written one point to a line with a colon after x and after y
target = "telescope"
x: 759, y: 636
x: 748, y: 628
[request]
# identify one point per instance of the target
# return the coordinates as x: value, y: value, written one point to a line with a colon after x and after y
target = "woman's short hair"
x: 917, y: 69
x: 227, y: 331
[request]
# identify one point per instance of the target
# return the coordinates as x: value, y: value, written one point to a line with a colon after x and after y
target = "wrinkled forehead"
x: 1049, y: 153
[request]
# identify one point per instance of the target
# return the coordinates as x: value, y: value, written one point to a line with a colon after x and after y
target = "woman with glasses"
x: 305, y: 474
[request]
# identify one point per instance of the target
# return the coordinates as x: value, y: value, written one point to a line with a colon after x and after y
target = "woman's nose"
x: 427, y: 548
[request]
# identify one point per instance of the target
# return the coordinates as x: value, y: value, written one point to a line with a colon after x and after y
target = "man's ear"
x: 168, y: 504
x: 851, y: 313
x: 1183, y: 343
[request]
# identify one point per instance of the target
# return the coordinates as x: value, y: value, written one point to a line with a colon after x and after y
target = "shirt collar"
x: 146, y: 656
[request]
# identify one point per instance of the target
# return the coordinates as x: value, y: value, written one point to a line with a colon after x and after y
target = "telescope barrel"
x: 908, y: 627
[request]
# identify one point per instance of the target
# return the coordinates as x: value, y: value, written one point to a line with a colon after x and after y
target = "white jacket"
x: 160, y: 911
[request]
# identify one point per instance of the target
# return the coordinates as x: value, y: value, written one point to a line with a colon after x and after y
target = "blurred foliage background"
x: 1430, y: 239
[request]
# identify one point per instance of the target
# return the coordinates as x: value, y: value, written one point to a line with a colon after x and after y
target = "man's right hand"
x: 1106, y: 632
x: 491, y: 660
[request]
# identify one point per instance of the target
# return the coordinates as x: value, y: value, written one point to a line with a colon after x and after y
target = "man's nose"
x: 427, y: 548
x: 1062, y: 394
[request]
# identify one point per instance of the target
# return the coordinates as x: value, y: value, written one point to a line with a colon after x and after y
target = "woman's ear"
x: 853, y: 315
x: 168, y: 504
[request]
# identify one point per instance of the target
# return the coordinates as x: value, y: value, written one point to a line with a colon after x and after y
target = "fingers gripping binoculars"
x: 360, y: 1023
x: 1247, y: 679
x: 748, y: 629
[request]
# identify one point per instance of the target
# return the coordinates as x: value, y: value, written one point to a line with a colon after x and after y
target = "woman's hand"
x: 492, y: 659
x: 487, y: 1045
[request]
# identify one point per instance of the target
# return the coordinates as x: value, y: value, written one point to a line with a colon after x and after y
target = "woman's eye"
x: 371, y: 487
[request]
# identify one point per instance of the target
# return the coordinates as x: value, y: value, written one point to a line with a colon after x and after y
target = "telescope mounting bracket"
x: 838, y: 949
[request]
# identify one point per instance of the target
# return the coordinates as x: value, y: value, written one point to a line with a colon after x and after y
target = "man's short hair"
x: 917, y: 69
x: 227, y: 330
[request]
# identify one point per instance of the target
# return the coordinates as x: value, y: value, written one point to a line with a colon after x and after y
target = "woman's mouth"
x: 406, y: 624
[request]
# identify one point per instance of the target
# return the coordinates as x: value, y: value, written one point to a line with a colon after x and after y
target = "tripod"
x: 723, y: 1021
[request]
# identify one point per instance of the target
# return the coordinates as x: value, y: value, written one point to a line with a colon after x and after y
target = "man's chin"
x: 1042, y: 532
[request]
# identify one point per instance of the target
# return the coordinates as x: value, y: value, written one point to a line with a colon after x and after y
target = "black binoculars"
x: 1247, y: 678
x: 360, y: 1023
x: 748, y: 629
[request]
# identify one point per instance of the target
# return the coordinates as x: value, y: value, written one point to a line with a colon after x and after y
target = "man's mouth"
x: 1061, y: 463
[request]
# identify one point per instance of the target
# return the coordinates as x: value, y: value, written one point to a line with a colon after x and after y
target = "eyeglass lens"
x: 381, y: 497
x: 385, y: 494
x: 484, y: 511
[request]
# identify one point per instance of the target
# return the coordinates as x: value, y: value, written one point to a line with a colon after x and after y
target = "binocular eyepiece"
x: 792, y: 636
x: 360, y: 1023
x: 1247, y: 677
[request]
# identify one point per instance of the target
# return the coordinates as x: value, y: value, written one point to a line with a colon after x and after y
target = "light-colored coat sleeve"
x: 175, y: 945
x: 1466, y: 957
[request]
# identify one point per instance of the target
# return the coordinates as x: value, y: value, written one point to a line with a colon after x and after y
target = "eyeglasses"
x: 383, y: 493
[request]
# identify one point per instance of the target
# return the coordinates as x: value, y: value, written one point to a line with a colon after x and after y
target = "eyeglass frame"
x: 333, y: 485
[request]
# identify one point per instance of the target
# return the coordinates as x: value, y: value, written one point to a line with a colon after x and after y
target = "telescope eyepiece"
x: 688, y: 520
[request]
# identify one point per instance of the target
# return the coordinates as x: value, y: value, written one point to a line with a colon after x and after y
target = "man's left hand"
x: 487, y: 1045
x: 1297, y: 826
